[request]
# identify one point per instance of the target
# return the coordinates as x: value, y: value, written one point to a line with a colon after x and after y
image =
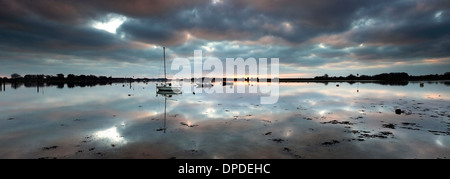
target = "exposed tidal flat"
x: 310, y: 120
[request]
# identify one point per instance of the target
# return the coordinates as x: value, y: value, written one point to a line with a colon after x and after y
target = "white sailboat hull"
x: 168, y: 88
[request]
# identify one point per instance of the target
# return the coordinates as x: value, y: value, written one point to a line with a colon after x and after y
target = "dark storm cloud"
x: 430, y: 49
x: 37, y: 36
x: 152, y: 32
x: 405, y: 22
x: 229, y: 20
x: 40, y: 34
x: 301, y: 33
x: 309, y: 18
x: 405, y: 30
x: 295, y: 21
x: 26, y: 32
x: 204, y: 21
x: 59, y: 25
x: 70, y: 11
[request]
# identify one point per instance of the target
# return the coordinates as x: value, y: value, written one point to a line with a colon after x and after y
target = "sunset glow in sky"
x: 311, y: 38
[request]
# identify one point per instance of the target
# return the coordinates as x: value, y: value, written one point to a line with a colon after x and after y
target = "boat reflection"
x: 165, y: 94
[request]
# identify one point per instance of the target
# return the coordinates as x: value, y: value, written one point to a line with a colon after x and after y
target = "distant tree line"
x: 60, y: 80
x: 398, y: 76
x: 70, y: 78
x: 401, y: 76
x: 59, y: 77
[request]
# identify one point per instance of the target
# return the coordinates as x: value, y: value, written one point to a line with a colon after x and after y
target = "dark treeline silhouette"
x: 71, y: 80
x: 59, y: 80
x: 397, y: 78
x: 401, y: 76
x: 394, y: 78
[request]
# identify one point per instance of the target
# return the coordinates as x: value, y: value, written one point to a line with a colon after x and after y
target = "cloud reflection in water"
x: 310, y: 120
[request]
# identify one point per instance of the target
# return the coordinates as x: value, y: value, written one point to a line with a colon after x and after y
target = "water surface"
x: 310, y: 120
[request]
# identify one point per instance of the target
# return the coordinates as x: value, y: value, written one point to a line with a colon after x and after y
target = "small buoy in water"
x: 129, y: 94
x: 421, y: 85
x: 193, y: 93
x: 337, y: 85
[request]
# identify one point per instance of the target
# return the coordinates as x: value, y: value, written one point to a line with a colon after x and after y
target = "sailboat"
x: 166, y: 87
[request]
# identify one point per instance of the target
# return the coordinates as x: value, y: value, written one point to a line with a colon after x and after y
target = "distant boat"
x: 167, y: 86
x: 225, y: 83
x: 203, y: 84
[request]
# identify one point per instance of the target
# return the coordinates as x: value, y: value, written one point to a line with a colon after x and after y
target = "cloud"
x: 152, y: 32
x: 39, y: 34
x: 68, y: 11
x: 300, y: 33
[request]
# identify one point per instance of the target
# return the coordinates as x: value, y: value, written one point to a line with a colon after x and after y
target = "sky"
x: 124, y: 38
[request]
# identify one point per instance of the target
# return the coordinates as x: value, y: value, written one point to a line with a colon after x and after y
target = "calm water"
x: 310, y: 120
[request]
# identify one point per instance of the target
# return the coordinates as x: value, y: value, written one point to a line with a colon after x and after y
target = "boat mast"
x: 165, y: 103
x: 165, y: 78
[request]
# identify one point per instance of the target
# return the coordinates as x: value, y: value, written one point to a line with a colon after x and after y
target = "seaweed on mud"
x: 49, y: 148
x: 338, y: 122
x: 390, y: 126
x: 332, y: 142
x: 409, y: 126
x: 278, y: 140
x: 439, y: 132
x: 381, y: 135
x: 289, y: 151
